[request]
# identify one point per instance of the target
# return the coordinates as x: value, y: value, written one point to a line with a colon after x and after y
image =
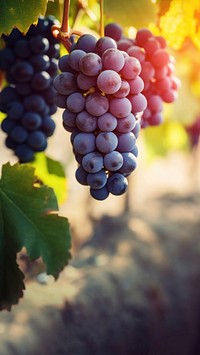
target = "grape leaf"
x: 28, y: 218
x: 136, y: 13
x: 51, y: 173
x: 20, y: 14
x: 11, y: 277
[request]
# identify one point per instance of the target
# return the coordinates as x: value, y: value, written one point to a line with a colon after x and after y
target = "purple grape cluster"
x: 30, y: 63
x: 99, y: 88
x: 158, y: 70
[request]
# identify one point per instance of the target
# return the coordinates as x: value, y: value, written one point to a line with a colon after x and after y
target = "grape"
x: 41, y: 81
x: 74, y: 58
x: 123, y: 90
x: 107, y: 122
x: 100, y: 194
x: 22, y: 71
x: 10, y: 143
x: 86, y: 122
x: 39, y: 44
x: 90, y: 64
x: 120, y: 107
x: 63, y: 64
x: 34, y: 103
x: 85, y: 82
x: 65, y: 83
x: 22, y: 49
x: 104, y: 43
x: 136, y: 129
x: 160, y: 58
x: 31, y: 120
x: 114, y: 31
x: 126, y: 124
x: 7, y: 58
x: 14, y: 110
x: 60, y: 100
x: 19, y: 134
x: 37, y: 140
x: 142, y: 36
x: 147, y: 72
x: 7, y: 125
x: 106, y: 142
x: 97, y: 104
x: 97, y: 180
x: 126, y: 142
x: 151, y: 45
x: 113, y: 160
x: 69, y: 118
x: 113, y: 59
x: 129, y: 163
x: 40, y: 62
x: 23, y: 89
x: 117, y: 184
x: 155, y: 103
x: 76, y: 102
x: 156, y: 119
x: 137, y: 52
x: 136, y: 85
x: 131, y: 68
x: 24, y: 153
x: 138, y: 102
x: 81, y: 175
x: 124, y: 43
x: 92, y: 162
x: 169, y: 96
x: 48, y: 126
x: 84, y: 143
x: 109, y: 81
x: 87, y: 43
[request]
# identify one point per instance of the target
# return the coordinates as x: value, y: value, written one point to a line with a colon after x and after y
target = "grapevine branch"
x: 63, y: 33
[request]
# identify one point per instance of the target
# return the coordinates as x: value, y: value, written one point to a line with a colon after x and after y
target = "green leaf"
x: 28, y: 218
x: 20, y: 14
x: 11, y: 278
x: 51, y: 173
x: 136, y: 13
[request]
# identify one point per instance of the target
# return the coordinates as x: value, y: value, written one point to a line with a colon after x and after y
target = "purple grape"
x: 117, y: 184
x: 113, y: 161
x: 106, y: 142
x: 90, y: 64
x: 86, y: 122
x: 109, y: 81
x: 97, y: 180
x: 84, y: 143
x: 92, y: 162
x: 97, y: 104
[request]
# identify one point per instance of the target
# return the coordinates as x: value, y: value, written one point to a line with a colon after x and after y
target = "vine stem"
x: 63, y: 33
x: 65, y: 18
x: 101, y: 19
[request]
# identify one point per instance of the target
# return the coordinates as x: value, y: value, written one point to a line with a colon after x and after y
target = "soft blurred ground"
x: 132, y: 286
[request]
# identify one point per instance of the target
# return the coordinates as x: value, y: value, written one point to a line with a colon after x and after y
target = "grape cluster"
x: 99, y: 88
x: 30, y: 63
x: 158, y: 70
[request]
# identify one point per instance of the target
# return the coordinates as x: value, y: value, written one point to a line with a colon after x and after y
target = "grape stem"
x: 63, y: 33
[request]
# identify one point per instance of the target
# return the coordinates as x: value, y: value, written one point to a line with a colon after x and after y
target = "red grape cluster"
x: 30, y: 64
x: 158, y: 70
x: 99, y: 88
